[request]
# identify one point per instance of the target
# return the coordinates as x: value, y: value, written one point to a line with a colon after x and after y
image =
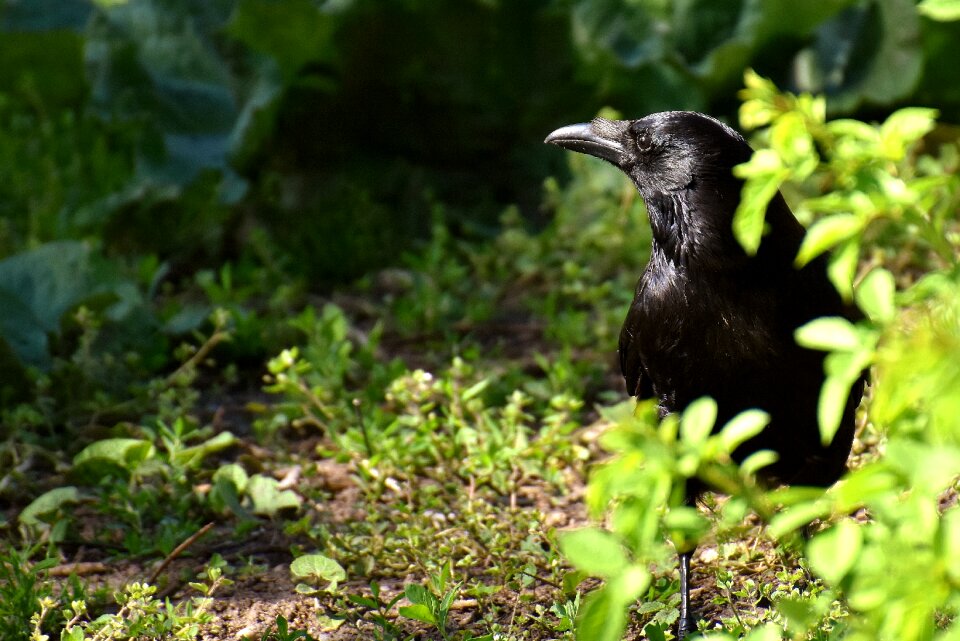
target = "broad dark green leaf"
x: 292, y: 34
x: 883, y: 58
x: 159, y: 60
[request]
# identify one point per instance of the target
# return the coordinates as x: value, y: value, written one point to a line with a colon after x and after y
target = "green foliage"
x: 41, y: 286
x: 881, y: 187
x: 419, y: 420
x: 141, y: 615
x: 282, y: 632
x: 21, y: 589
x: 643, y: 489
x: 692, y: 48
x: 886, y: 574
x: 432, y: 605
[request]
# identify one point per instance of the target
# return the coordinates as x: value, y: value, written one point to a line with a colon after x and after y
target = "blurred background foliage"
x: 310, y: 142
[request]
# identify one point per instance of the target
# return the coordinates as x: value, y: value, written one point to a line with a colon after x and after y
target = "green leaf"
x: 941, y: 10
x: 37, y: 288
x: 603, y: 615
x: 267, y: 498
x: 905, y: 127
x: 127, y: 453
x: 875, y: 295
x: 192, y: 456
x: 698, y: 420
x: 829, y: 333
x: 764, y: 174
x: 299, y: 33
x: 930, y: 468
x: 742, y: 428
x: 765, y: 632
x: 418, y: 612
x: 887, y: 34
x: 830, y: 407
x: 595, y: 551
x: 159, y: 62
x: 798, y: 612
x: 76, y: 633
x: 797, y: 516
x: 234, y: 474
x: 630, y: 584
x: 600, y: 617
x: 316, y: 569
x: 418, y: 594
x: 685, y: 523
x: 843, y: 266
x: 949, y: 542
x: 827, y: 233
x: 833, y: 553
x: 758, y: 460
x: 47, y: 503
x: 43, y: 53
x: 229, y: 483
x: 862, y: 486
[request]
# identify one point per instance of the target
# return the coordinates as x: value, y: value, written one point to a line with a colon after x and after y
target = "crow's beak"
x: 582, y: 138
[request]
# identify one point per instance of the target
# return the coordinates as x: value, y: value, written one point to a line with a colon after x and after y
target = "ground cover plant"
x: 217, y: 420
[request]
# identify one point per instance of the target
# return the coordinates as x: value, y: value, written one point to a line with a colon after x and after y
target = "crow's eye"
x: 644, y: 140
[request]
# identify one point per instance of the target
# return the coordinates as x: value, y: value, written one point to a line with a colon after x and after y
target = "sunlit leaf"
x: 601, y: 617
x: 594, y: 550
x: 765, y: 632
x: 698, y: 420
x: 268, y: 498
x: 827, y: 233
x: 757, y: 461
x: 743, y: 427
x: 829, y: 333
x: 47, y: 503
x: 317, y: 569
x: 843, y: 266
x: 764, y: 177
x: 834, y: 552
x: 125, y: 452
x: 875, y: 295
x: 830, y: 407
x: 942, y: 10
x: 417, y: 612
x: 904, y: 127
x: 795, y: 517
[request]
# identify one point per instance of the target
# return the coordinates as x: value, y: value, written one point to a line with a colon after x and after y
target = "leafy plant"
x: 140, y: 615
x: 883, y: 189
x: 282, y: 632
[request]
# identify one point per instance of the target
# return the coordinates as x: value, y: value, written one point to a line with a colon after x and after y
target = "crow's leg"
x: 687, y: 622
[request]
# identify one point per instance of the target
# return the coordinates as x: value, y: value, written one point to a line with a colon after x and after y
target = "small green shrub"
x: 890, y: 574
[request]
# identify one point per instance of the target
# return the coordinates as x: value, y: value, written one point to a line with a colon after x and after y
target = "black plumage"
x: 708, y: 319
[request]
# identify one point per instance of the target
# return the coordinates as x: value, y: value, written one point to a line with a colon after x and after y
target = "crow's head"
x: 682, y: 164
x: 663, y: 152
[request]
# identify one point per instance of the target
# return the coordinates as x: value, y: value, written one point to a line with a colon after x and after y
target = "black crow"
x: 708, y: 319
